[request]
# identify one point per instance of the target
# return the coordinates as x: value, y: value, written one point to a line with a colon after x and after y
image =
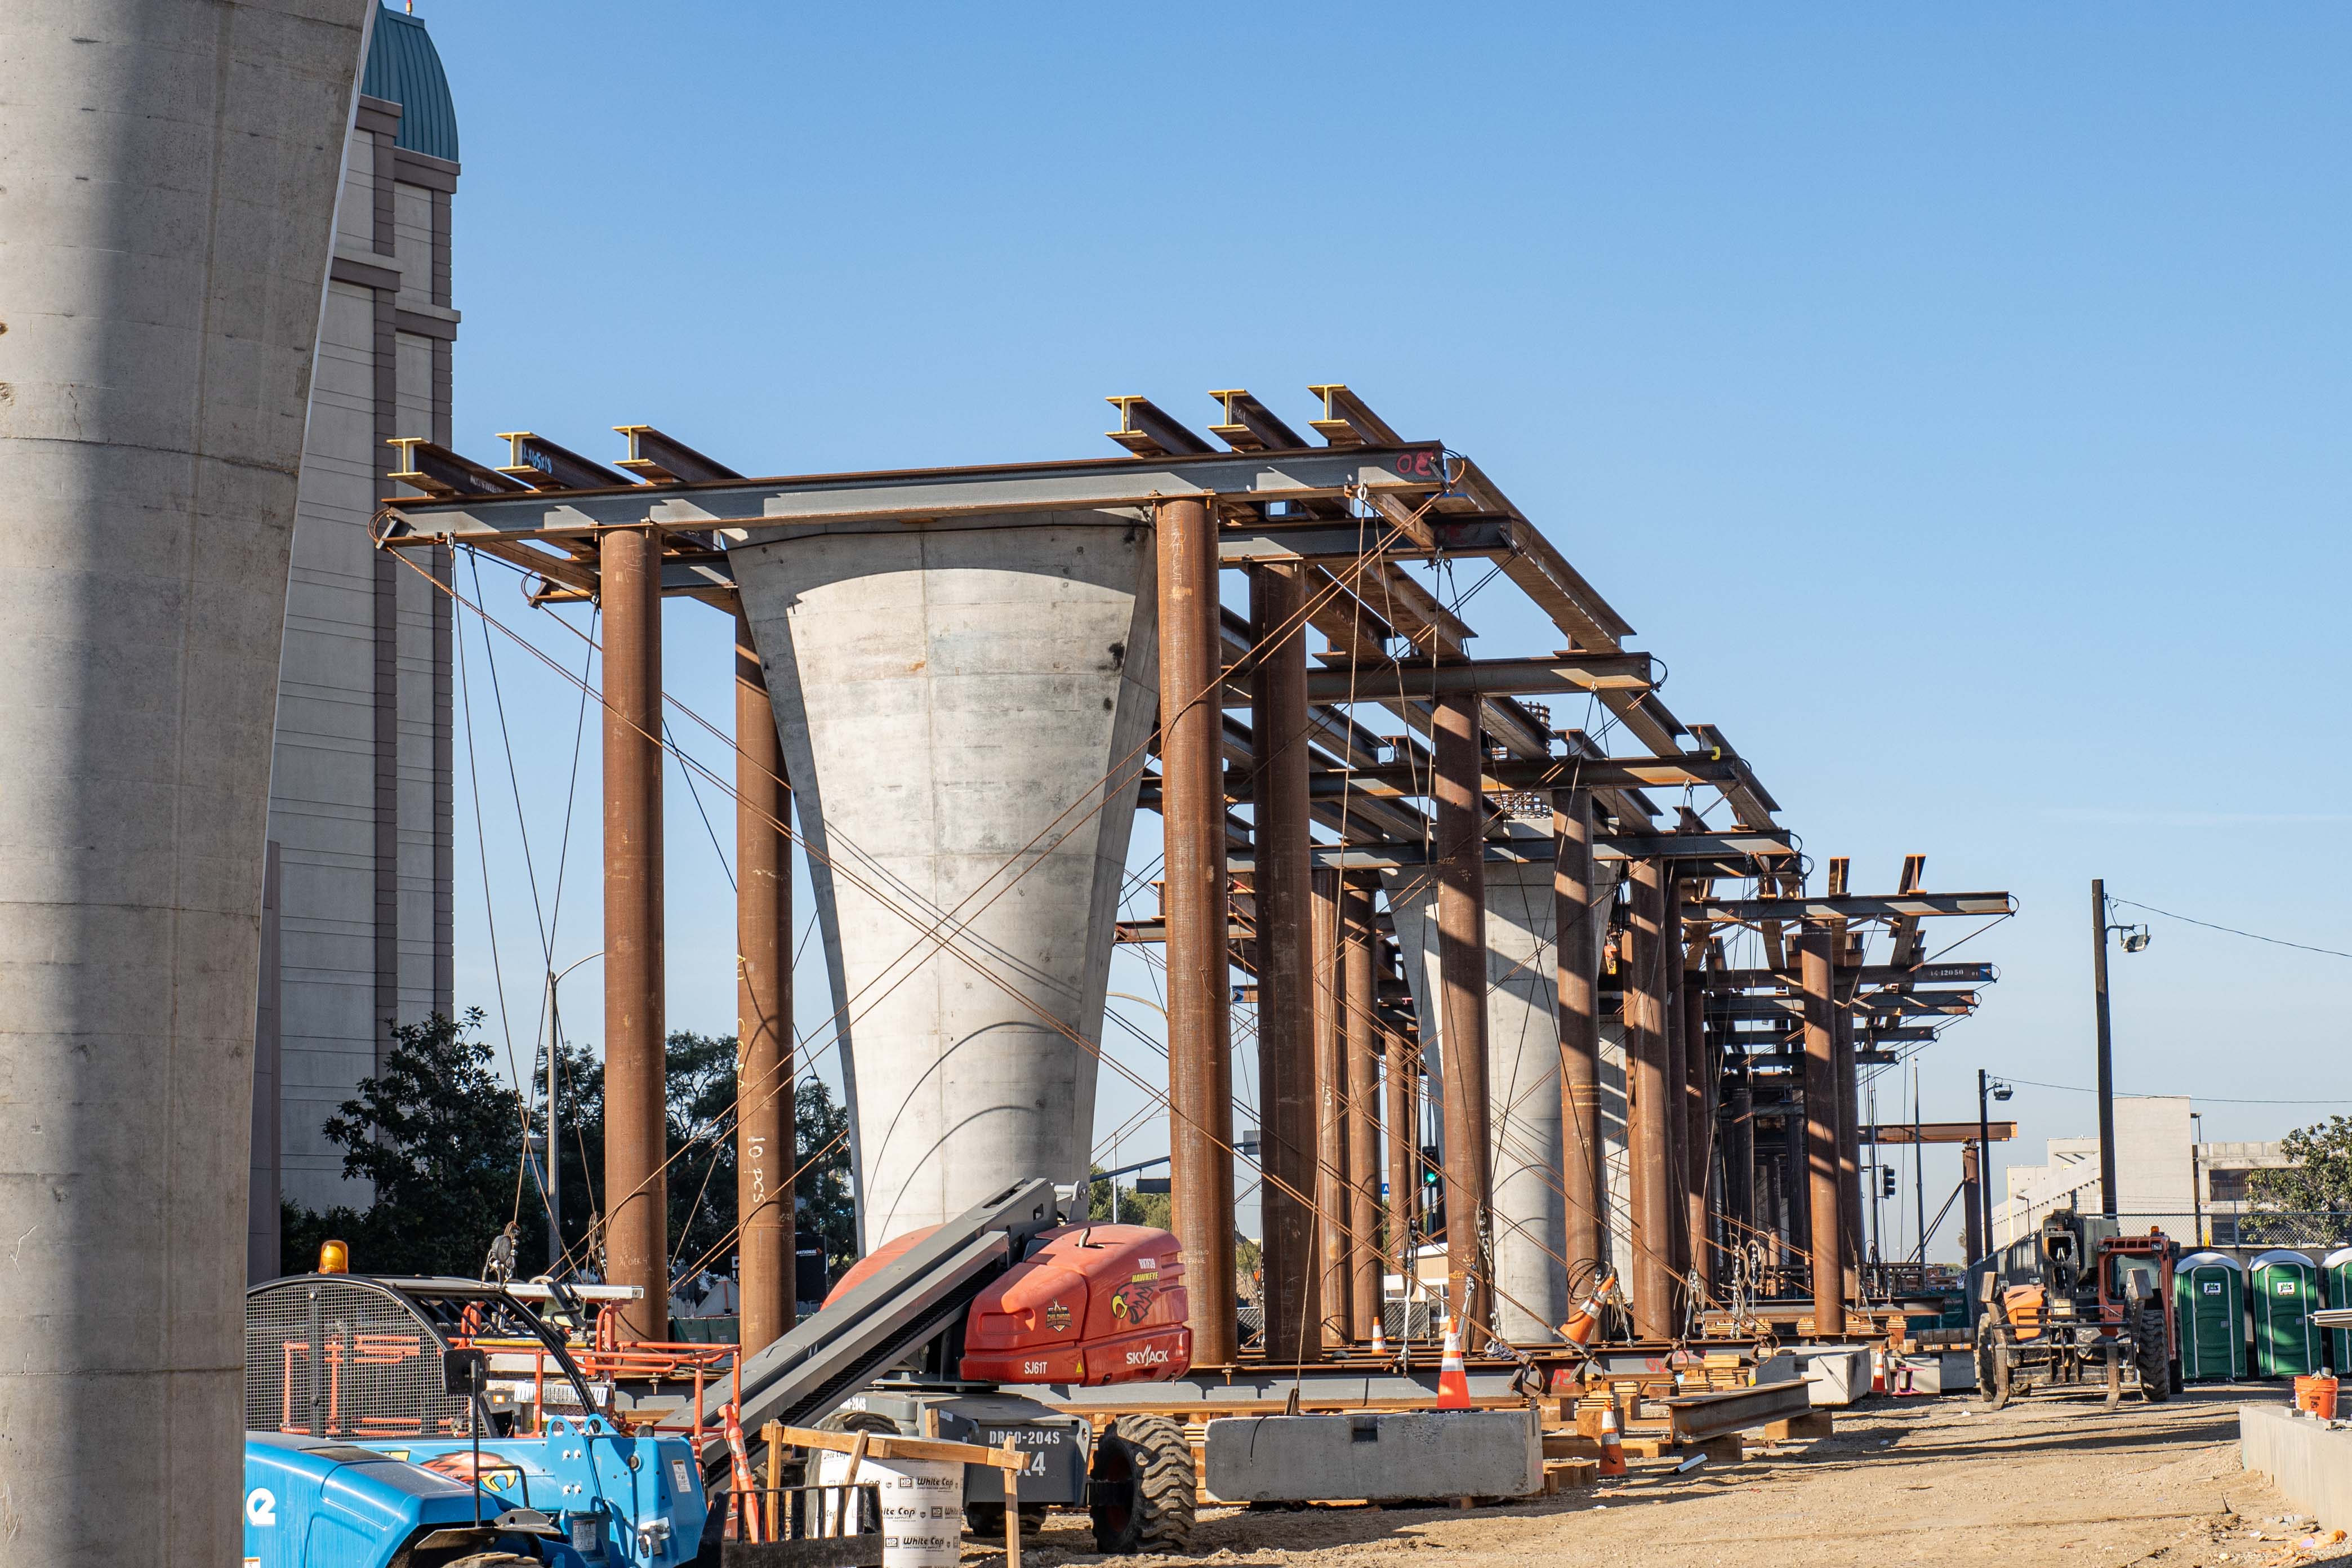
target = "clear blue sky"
x: 1959, y: 406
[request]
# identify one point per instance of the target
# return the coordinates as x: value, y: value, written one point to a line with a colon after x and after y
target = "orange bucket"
x: 2317, y: 1395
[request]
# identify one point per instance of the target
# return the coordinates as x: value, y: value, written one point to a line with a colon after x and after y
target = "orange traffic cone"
x: 1452, y: 1377
x: 1878, y: 1371
x: 1613, y: 1448
x: 1380, y: 1332
x: 1580, y: 1328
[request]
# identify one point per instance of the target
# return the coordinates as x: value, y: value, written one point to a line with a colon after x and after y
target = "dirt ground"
x: 2051, y: 1479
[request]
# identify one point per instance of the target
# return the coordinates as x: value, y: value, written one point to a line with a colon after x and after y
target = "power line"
x: 2250, y: 936
x: 2208, y: 1098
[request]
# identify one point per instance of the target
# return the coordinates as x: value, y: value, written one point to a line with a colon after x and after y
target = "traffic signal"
x: 1886, y: 1174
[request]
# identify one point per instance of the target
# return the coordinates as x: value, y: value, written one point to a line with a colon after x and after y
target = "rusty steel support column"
x: 1821, y: 1136
x: 636, y: 1195
x: 1649, y: 1105
x: 1285, y: 1006
x: 1677, y: 1082
x: 1360, y: 1035
x: 1193, y: 811
x: 1461, y: 864
x: 764, y: 1157
x: 1739, y: 1152
x: 1331, y: 1190
x: 1849, y: 1135
x: 1698, y: 1128
x: 1972, y: 1205
x: 1402, y: 1068
x: 1577, y: 953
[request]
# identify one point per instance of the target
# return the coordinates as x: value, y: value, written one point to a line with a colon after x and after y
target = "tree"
x: 440, y: 1138
x: 2317, y: 1179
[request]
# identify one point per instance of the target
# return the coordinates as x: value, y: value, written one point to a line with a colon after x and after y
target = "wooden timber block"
x: 1561, y: 1475
x: 1728, y: 1449
x: 1812, y: 1424
x: 1571, y: 1446
x: 1646, y: 1447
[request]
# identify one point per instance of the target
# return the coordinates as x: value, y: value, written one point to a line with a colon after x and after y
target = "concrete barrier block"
x: 1840, y: 1374
x: 1378, y: 1456
x: 2308, y: 1460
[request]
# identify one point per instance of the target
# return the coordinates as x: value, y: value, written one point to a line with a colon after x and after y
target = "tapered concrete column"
x: 1821, y: 1136
x: 1285, y: 1018
x: 1650, y: 1100
x: 1459, y: 860
x: 636, y: 1195
x: 1361, y: 1042
x: 1579, y: 921
x: 1528, y: 1269
x: 966, y: 710
x: 168, y: 179
x: 764, y: 1155
x: 1192, y: 802
x: 1331, y: 1192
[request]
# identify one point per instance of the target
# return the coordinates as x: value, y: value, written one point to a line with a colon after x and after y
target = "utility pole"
x: 2106, y: 1047
x: 2196, y: 1182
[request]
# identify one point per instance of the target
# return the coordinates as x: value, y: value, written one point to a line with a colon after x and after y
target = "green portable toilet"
x: 2209, y: 1302
x: 2335, y: 1280
x: 2282, y: 1288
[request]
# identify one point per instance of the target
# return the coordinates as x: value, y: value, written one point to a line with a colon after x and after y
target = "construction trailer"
x: 1490, y: 970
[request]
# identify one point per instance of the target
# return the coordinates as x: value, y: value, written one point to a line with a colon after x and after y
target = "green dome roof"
x: 404, y: 67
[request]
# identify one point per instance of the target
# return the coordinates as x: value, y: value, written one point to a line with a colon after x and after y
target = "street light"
x: 555, y: 1186
x: 2135, y: 939
x: 1988, y: 1087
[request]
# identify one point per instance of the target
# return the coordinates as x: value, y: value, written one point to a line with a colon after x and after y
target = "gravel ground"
x: 2051, y: 1479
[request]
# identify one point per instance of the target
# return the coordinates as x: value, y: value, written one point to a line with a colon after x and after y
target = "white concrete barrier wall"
x: 1382, y: 1457
x: 168, y: 178
x: 2301, y: 1457
x: 964, y: 709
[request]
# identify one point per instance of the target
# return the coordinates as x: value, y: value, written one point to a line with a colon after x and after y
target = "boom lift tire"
x: 1141, y: 1487
x: 2154, y: 1354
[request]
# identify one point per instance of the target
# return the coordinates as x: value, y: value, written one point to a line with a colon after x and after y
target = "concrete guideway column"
x: 636, y: 1195
x: 171, y: 176
x: 765, y: 1157
x: 1285, y: 1011
x: 1821, y: 1135
x: 1459, y: 861
x: 1192, y: 803
x: 965, y: 708
x: 1649, y: 1105
x: 1331, y: 1129
x: 1360, y: 1043
x: 1580, y: 922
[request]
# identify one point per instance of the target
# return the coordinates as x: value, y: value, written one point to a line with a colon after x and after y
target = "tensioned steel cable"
x: 784, y: 828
